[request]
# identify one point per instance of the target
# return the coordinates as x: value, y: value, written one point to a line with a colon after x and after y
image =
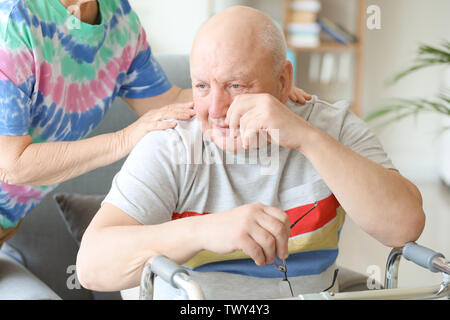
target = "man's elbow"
x: 89, y: 272
x: 409, y: 231
x: 86, y: 273
x: 413, y: 218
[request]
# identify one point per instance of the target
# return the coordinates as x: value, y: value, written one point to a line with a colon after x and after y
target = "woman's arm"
x: 174, y: 95
x: 25, y: 163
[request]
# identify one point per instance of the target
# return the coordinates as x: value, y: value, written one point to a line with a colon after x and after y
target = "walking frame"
x: 179, y: 278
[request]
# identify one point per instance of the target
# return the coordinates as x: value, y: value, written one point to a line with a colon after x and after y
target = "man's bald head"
x: 246, y: 29
x: 238, y: 51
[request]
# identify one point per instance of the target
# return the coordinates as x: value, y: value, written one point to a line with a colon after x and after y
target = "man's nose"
x: 220, y: 102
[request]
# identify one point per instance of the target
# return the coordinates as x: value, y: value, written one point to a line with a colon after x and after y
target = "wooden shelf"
x: 357, y: 48
x: 326, y: 46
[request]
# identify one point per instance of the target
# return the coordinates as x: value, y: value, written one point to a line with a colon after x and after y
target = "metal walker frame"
x: 179, y: 278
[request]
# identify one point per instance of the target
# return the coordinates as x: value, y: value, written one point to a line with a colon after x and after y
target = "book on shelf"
x: 304, y: 34
x: 335, y: 31
x: 302, y: 17
x: 302, y: 29
x: 304, y: 41
x: 306, y: 5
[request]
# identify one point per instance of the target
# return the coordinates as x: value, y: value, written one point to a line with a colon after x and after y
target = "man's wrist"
x: 197, y: 226
x: 309, y: 137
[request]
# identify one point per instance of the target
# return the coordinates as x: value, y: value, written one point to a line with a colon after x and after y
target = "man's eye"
x: 236, y: 86
x: 202, y: 86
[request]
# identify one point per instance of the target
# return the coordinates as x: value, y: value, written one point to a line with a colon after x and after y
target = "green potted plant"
x: 398, y: 109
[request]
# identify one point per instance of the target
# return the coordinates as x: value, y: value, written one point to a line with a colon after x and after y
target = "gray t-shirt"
x: 178, y: 173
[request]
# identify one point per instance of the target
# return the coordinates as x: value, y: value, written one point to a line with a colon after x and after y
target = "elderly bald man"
x: 196, y: 195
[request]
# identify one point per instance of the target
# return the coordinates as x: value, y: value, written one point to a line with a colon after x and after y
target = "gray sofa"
x: 46, y: 244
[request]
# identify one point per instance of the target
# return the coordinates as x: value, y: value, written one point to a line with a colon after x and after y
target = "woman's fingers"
x: 178, y: 114
x: 157, y: 120
x: 299, y: 96
x: 162, y: 125
x: 175, y: 111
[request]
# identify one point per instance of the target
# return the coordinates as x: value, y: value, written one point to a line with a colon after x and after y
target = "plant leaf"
x: 408, y: 107
x: 427, y: 56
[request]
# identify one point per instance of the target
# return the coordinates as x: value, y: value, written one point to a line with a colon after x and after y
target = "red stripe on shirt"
x: 186, y: 214
x: 317, y: 218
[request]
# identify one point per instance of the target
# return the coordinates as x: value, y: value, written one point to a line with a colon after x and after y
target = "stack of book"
x: 302, y: 27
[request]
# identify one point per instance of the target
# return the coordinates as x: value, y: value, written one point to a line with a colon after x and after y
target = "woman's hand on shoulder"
x: 157, y: 120
x: 299, y: 96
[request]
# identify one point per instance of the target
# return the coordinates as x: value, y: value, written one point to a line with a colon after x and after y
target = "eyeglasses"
x: 281, y: 263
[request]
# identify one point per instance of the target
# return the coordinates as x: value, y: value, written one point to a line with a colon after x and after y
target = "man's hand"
x: 299, y: 96
x: 258, y: 230
x: 153, y: 120
x: 250, y: 114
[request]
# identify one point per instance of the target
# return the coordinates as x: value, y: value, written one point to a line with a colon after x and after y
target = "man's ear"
x: 286, y: 81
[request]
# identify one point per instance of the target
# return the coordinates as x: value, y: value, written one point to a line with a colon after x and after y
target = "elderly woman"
x: 58, y: 78
x: 62, y: 64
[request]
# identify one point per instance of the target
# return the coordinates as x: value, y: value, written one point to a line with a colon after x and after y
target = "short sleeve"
x: 14, y: 109
x: 145, y: 77
x: 17, y: 71
x: 342, y: 124
x: 146, y: 187
x: 356, y: 134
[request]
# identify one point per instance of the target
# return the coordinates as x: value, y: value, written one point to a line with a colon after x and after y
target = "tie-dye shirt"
x: 59, y: 76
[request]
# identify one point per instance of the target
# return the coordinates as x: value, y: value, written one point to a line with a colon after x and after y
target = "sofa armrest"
x: 17, y: 283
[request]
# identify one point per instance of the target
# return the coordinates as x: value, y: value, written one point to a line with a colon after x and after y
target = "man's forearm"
x: 112, y: 258
x: 51, y: 163
x: 380, y: 201
x: 115, y: 247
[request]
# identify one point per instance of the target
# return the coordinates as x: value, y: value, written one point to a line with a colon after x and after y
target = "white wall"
x: 413, y: 144
x: 171, y: 24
